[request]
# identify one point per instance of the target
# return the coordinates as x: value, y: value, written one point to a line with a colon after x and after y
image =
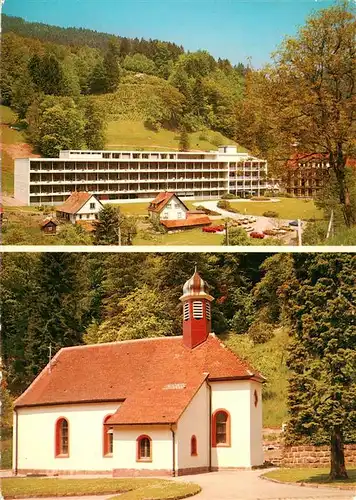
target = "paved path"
x: 247, y: 485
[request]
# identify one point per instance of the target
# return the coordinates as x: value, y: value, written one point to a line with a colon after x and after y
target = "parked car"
x: 213, y: 229
x: 256, y: 234
x: 294, y: 223
x: 270, y: 232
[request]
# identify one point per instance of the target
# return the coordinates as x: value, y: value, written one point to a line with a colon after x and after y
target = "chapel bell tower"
x: 196, y: 311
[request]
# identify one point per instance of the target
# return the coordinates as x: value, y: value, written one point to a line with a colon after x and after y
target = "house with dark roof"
x: 147, y: 407
x: 173, y: 214
x: 80, y: 206
x: 49, y: 226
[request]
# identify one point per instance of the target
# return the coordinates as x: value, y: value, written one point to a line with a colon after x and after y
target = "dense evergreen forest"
x: 304, y: 301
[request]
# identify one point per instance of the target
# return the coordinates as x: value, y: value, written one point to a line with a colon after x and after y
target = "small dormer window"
x: 186, y: 311
x: 92, y: 206
x: 197, y: 309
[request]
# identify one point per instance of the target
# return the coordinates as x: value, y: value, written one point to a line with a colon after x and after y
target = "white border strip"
x: 172, y: 249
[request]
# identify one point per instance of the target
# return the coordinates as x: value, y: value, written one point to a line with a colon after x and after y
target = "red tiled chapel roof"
x: 156, y: 377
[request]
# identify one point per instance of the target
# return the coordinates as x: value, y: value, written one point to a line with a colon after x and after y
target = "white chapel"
x: 156, y: 406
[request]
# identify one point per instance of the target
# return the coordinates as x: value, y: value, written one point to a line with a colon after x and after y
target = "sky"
x: 239, y: 30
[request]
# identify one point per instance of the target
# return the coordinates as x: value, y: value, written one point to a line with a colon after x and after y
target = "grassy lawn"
x: 287, y: 208
x: 167, y: 490
x: 188, y: 237
x: 130, y: 134
x: 140, y: 208
x: 133, y: 208
x: 8, y: 136
x: 7, y: 173
x: 132, y: 488
x: 7, y: 115
x: 311, y: 476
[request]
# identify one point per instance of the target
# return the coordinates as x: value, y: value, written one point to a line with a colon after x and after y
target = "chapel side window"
x: 144, y: 449
x: 193, y: 446
x: 221, y: 428
x: 62, y: 438
x: 108, y: 439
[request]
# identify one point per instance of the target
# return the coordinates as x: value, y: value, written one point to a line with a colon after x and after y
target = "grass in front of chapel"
x: 128, y: 488
x: 312, y: 477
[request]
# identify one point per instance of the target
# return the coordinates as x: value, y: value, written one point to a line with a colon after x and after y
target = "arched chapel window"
x: 62, y: 437
x: 221, y: 424
x: 193, y: 446
x: 108, y: 438
x: 144, y: 449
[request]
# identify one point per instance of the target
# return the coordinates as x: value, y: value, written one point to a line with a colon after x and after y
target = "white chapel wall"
x: 256, y: 424
x: 194, y: 421
x: 125, y: 448
x: 235, y: 397
x: 36, y: 437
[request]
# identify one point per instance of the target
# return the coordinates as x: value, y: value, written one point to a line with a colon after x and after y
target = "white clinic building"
x: 128, y: 175
x: 147, y: 407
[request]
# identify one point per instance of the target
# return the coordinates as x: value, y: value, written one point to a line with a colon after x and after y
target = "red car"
x: 213, y: 229
x: 256, y: 234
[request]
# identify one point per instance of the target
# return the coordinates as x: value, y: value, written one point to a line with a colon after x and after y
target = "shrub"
x: 204, y: 136
x: 207, y: 211
x: 152, y: 124
x: 45, y: 209
x: 157, y: 226
x: 270, y: 213
x: 216, y: 140
x: 260, y: 332
x: 260, y: 198
x: 237, y: 236
x: 282, y: 194
x: 224, y: 204
x: 228, y: 196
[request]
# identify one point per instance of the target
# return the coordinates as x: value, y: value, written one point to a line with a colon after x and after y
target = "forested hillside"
x: 66, y: 85
x: 82, y: 36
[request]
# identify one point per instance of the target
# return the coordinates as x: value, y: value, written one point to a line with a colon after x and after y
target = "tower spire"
x: 196, y: 311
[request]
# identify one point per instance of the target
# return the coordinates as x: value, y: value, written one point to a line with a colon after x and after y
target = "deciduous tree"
x: 311, y: 90
x: 141, y: 314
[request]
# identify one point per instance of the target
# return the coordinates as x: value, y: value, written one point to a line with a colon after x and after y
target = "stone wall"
x: 314, y: 456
